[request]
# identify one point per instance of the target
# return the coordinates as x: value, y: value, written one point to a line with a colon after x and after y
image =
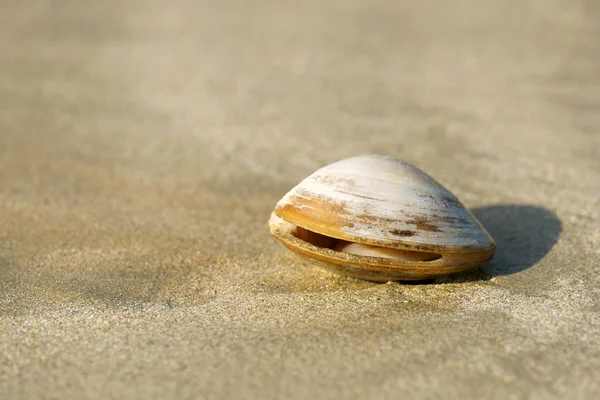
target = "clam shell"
x: 383, y: 202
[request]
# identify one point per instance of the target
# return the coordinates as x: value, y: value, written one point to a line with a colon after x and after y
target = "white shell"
x: 384, y: 202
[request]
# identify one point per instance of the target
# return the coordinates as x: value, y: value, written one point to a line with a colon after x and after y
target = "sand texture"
x: 143, y: 145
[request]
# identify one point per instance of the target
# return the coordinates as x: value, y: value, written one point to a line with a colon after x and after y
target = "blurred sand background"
x: 143, y: 145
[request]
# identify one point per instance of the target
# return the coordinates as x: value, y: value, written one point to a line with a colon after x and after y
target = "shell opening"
x: 359, y: 249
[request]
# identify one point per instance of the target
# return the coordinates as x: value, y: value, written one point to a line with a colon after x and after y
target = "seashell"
x: 378, y: 218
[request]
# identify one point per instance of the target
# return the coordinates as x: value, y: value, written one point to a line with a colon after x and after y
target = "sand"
x: 143, y: 145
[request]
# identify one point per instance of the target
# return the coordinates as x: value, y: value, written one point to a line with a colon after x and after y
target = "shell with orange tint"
x: 378, y: 218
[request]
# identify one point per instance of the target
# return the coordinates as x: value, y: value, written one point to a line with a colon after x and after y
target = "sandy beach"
x: 143, y: 145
